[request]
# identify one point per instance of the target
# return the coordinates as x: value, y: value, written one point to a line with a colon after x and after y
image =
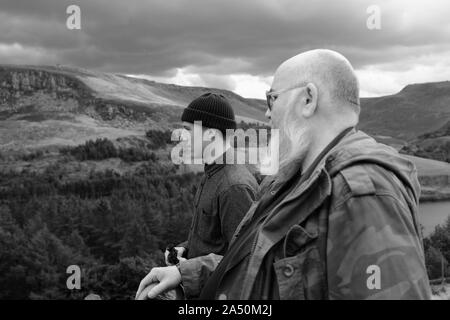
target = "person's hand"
x: 173, y: 294
x: 166, y: 278
x: 180, y: 253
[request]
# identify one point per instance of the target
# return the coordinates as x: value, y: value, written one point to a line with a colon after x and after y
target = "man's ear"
x: 310, y: 100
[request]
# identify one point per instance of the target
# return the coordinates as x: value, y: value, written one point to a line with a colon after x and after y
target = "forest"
x: 112, y: 226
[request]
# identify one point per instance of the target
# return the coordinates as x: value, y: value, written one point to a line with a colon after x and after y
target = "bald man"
x: 340, y: 219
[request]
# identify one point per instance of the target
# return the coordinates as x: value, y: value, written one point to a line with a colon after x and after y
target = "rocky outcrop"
x: 28, y: 89
x: 49, y: 91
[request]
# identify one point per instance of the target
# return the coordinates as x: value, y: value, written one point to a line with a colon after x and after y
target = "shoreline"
x: 432, y: 199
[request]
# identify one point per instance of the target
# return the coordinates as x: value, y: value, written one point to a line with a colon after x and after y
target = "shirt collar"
x: 212, y: 168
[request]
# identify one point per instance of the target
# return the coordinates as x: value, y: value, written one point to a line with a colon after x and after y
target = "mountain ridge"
x: 113, y: 87
x: 414, y: 110
x: 38, y: 94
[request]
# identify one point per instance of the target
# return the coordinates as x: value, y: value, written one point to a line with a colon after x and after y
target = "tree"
x: 433, y: 260
x: 113, y: 226
x: 137, y: 241
x: 437, y: 249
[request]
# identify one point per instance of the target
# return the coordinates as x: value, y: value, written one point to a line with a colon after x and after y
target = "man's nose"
x: 268, y: 114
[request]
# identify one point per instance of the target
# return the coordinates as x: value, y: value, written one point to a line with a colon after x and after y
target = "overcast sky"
x: 234, y: 45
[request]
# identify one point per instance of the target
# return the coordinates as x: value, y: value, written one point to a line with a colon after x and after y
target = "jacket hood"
x: 357, y: 147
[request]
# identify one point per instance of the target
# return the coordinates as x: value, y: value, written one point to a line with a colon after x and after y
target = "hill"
x: 415, y: 110
x: 46, y: 106
x: 433, y: 145
x: 396, y: 119
x: 76, y: 97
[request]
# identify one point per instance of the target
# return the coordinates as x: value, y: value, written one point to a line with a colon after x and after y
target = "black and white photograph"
x: 242, y: 150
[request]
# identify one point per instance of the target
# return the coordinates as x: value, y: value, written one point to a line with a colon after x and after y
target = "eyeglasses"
x: 271, y: 96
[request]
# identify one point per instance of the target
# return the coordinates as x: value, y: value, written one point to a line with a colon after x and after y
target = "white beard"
x: 294, y: 142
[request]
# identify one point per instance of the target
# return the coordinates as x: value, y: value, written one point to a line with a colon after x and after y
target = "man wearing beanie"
x: 225, y: 192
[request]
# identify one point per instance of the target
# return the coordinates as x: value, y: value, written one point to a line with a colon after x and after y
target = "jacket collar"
x: 358, y: 147
x: 322, y: 160
x: 311, y: 195
x: 213, y: 168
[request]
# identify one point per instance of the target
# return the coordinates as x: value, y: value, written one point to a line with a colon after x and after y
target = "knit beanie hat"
x: 213, y: 110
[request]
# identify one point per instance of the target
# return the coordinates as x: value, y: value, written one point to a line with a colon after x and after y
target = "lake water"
x: 433, y: 213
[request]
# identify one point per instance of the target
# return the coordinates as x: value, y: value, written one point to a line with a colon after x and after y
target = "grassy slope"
x: 127, y: 88
x: 415, y: 110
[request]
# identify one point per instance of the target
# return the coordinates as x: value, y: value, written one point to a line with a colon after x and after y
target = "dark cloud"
x: 216, y: 37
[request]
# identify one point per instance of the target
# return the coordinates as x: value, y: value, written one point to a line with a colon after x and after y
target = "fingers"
x: 159, y: 280
x: 144, y: 294
x: 157, y: 290
x: 153, y: 290
x: 149, y: 278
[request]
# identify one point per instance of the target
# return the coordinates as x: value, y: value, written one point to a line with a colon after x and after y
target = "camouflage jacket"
x: 350, y: 231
